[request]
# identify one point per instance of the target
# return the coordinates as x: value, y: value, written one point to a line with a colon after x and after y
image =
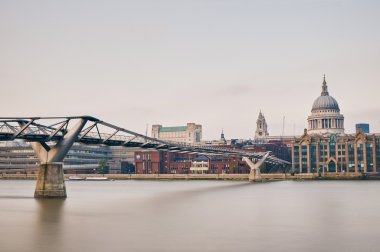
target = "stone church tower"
x: 261, y: 129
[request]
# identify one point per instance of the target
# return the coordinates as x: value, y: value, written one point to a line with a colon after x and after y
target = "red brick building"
x: 158, y: 162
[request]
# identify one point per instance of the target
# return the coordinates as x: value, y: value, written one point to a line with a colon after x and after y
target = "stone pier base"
x: 50, y: 181
x: 254, y: 175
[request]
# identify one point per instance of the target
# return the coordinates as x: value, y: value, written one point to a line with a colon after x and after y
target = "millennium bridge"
x: 52, y: 137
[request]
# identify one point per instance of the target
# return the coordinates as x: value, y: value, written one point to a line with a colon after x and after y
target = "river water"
x: 192, y: 216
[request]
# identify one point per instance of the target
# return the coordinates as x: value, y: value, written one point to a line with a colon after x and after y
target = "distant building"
x: 282, y: 139
x: 261, y: 132
x: 222, y: 139
x: 363, y: 126
x: 121, y: 159
x: 189, y: 134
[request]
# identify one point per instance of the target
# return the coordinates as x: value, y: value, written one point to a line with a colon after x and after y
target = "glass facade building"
x: 19, y: 156
x: 364, y: 127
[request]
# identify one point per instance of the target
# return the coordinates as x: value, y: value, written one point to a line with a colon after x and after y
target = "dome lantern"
x: 324, y: 87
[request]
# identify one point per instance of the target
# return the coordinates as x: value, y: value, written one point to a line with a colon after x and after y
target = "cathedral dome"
x: 325, y: 101
x: 325, y: 115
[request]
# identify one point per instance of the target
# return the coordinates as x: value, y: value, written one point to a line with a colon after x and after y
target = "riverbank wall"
x: 265, y: 177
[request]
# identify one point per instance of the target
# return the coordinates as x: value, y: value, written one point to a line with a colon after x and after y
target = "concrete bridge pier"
x: 50, y: 181
x: 254, y: 174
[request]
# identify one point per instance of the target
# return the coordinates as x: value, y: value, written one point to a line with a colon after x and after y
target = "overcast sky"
x: 169, y: 62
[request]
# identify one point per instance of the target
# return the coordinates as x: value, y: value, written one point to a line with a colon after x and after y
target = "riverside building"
x: 19, y: 157
x: 359, y: 152
x: 163, y: 162
x: 324, y: 148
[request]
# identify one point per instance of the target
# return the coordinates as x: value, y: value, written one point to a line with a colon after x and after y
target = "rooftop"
x: 172, y: 129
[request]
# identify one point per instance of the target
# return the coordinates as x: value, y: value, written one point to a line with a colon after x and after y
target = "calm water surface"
x: 192, y: 216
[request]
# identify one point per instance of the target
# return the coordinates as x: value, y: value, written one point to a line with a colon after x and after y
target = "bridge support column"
x: 254, y: 175
x: 50, y: 181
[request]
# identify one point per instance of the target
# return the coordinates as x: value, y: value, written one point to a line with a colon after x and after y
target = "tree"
x: 234, y: 168
x: 103, y: 167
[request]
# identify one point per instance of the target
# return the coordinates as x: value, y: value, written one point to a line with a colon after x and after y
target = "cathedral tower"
x: 261, y: 129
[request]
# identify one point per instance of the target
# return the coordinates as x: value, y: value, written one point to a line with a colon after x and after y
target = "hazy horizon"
x: 215, y: 63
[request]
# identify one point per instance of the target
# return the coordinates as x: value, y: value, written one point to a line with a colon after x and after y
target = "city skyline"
x: 212, y: 63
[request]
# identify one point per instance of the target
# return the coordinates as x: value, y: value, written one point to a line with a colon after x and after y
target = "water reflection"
x: 15, y: 197
x: 193, y: 216
x: 49, y: 225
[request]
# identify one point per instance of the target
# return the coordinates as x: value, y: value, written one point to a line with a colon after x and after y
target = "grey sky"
x: 216, y: 63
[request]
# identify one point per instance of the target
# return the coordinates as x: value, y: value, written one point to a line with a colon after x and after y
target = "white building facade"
x: 189, y: 134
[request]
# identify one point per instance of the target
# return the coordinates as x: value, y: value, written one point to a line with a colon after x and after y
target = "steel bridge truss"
x: 57, y: 134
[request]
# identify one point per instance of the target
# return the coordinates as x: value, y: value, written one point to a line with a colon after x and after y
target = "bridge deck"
x: 53, y: 129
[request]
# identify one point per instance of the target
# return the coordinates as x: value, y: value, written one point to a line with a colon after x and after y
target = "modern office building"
x: 189, y: 134
x: 364, y: 127
x: 18, y: 156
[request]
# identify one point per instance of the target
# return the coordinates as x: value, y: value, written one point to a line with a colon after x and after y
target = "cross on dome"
x: 324, y: 87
